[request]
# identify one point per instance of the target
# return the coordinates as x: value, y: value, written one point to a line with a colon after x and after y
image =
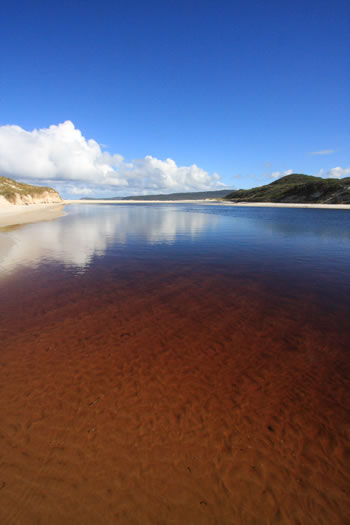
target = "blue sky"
x: 246, y: 90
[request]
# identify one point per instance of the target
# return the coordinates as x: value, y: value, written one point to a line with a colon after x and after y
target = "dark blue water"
x: 284, y: 247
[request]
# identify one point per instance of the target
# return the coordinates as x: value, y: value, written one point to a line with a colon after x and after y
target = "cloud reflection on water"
x: 89, y: 230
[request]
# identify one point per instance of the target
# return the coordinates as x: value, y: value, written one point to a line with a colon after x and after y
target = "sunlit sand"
x: 27, y: 213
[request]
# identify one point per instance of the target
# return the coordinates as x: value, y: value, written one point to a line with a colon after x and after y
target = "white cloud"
x: 323, y: 152
x: 279, y: 174
x: 79, y: 190
x: 61, y: 154
x: 338, y: 172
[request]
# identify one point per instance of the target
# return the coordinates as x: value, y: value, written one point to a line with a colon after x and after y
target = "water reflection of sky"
x: 92, y: 230
x: 255, y: 237
x: 288, y: 221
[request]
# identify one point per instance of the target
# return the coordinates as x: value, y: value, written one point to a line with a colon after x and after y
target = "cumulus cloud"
x: 338, y: 172
x: 279, y: 174
x: 62, y: 154
x: 323, y: 152
x: 79, y: 190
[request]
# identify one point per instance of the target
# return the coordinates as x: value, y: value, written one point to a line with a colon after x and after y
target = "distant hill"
x: 297, y: 188
x: 19, y: 193
x: 196, y: 195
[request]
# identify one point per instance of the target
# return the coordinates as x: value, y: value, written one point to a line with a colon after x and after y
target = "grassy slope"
x: 9, y: 188
x: 297, y: 188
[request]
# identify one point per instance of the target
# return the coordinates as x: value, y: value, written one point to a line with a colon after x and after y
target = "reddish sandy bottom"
x: 169, y: 398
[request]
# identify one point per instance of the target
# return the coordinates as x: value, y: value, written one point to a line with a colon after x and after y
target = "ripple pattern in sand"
x: 178, y: 399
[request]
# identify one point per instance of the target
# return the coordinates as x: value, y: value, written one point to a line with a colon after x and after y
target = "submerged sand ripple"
x: 172, y: 399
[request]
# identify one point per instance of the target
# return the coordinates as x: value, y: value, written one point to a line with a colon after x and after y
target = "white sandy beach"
x: 13, y: 214
x: 286, y: 205
x: 213, y: 201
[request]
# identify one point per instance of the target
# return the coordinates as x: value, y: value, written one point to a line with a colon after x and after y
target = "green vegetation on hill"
x: 195, y: 195
x: 9, y: 188
x: 297, y: 188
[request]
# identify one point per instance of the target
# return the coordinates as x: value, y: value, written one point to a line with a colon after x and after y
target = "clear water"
x: 285, y: 248
x: 176, y: 364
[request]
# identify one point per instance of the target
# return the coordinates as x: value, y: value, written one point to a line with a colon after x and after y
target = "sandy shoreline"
x: 22, y: 214
x: 27, y: 213
x: 286, y: 205
x: 216, y: 202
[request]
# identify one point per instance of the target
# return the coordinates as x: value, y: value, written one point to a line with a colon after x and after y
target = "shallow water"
x: 176, y: 364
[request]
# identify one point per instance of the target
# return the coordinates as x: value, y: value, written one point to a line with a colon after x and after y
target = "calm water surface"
x: 284, y: 250
x: 269, y: 241
x: 176, y: 364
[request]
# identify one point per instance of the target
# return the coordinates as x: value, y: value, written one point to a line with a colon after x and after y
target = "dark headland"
x: 297, y: 188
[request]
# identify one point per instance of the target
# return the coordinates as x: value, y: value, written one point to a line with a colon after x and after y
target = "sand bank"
x: 286, y: 205
x: 216, y: 202
x: 21, y: 213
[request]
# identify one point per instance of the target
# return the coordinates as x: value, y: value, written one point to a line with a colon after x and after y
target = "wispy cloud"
x: 61, y: 155
x: 323, y: 152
